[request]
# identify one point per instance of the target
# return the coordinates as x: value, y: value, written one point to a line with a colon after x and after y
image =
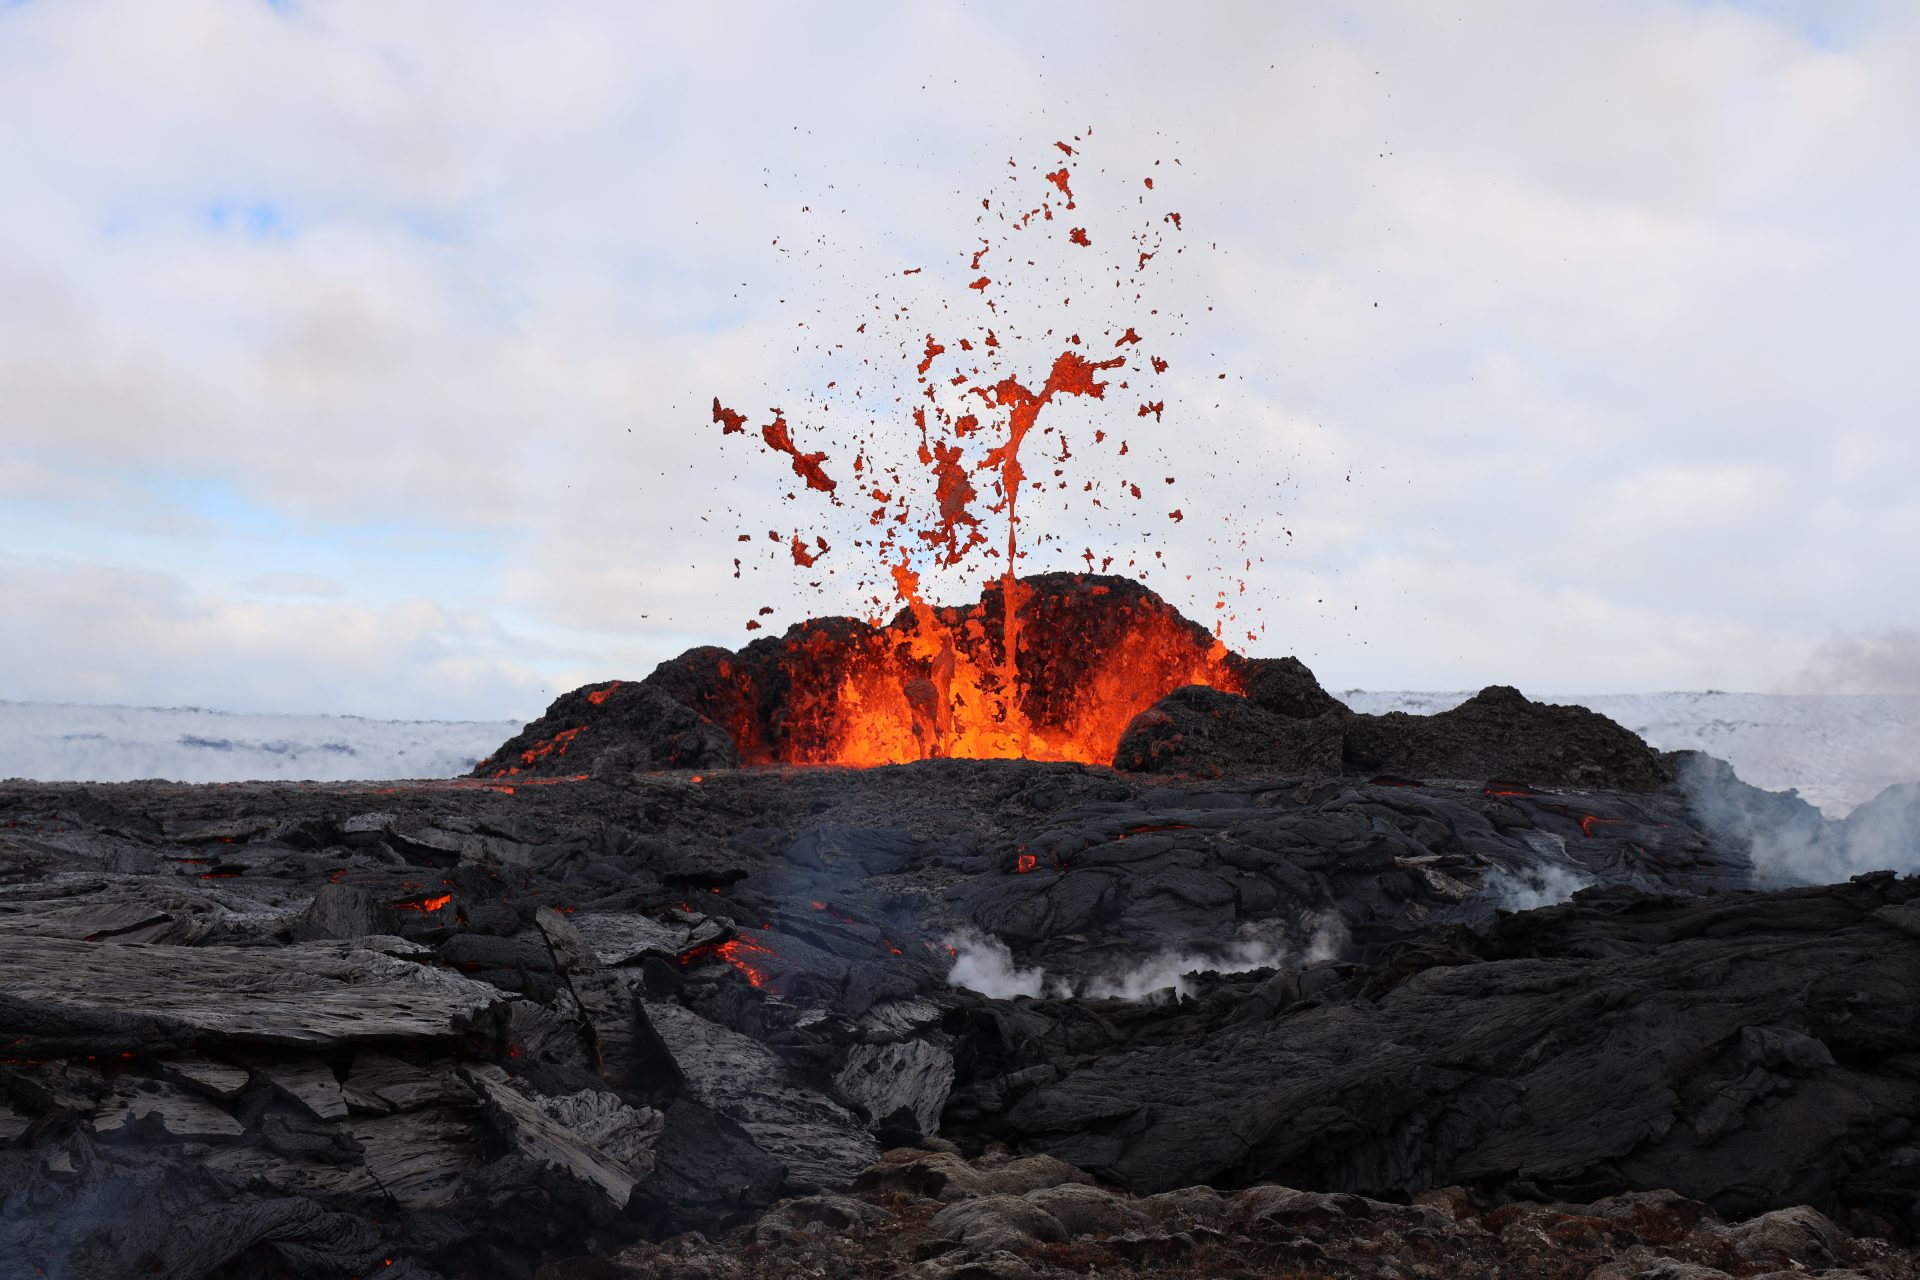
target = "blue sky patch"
x: 260, y: 219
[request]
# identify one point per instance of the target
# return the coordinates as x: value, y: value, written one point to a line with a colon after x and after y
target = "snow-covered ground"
x: 59, y: 742
x: 1837, y: 751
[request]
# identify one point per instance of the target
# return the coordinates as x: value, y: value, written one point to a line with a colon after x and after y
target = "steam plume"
x: 986, y: 965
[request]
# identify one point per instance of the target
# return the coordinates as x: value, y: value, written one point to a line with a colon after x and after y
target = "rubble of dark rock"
x: 1286, y: 722
x: 1500, y: 733
x: 1210, y: 733
x: 932, y: 1215
x: 1287, y: 990
x: 477, y: 1028
x: 1748, y: 1050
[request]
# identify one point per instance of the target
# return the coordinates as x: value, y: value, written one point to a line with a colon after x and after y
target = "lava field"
x: 1281, y: 990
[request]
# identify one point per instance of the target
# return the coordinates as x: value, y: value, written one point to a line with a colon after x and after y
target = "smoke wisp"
x: 1548, y: 882
x: 986, y: 965
x: 1791, y: 842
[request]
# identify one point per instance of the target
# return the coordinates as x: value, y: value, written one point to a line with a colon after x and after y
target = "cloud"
x: 75, y: 631
x: 1876, y: 662
x: 1561, y: 341
x: 294, y: 584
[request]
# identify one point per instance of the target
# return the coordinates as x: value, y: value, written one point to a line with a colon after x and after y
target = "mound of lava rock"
x: 1083, y: 639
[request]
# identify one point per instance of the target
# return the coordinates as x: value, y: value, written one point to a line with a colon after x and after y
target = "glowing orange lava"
x: 1045, y: 675
x: 735, y: 952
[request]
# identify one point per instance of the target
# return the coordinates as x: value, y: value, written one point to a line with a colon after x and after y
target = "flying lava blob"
x: 970, y: 416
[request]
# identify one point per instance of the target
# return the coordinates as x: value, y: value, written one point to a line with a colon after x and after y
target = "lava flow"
x: 1019, y: 674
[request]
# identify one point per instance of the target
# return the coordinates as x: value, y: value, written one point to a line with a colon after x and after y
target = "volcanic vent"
x: 1093, y: 651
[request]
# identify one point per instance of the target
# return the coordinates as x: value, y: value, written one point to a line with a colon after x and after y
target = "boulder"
x: 1204, y: 732
x: 1287, y: 688
x: 1499, y: 733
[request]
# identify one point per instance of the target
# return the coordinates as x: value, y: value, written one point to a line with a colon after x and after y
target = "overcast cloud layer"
x: 355, y: 357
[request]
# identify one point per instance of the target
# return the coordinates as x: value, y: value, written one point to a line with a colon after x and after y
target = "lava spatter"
x: 962, y: 682
x: 779, y: 437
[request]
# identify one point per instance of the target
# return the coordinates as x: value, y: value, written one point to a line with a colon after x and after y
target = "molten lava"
x: 933, y: 683
x: 1020, y: 674
x: 735, y: 952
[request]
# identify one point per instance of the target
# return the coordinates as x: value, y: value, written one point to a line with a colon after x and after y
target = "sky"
x: 357, y: 357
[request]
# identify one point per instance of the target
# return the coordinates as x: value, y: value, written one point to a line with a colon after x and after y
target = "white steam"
x: 1552, y: 879
x: 1531, y: 887
x: 984, y: 964
x: 1791, y: 842
x: 1881, y: 835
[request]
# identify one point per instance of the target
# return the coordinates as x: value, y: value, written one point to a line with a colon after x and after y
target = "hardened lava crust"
x: 1270, y: 989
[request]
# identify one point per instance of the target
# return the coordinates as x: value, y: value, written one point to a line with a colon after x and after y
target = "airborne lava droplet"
x: 805, y: 465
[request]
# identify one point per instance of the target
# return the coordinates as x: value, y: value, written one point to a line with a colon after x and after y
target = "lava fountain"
x: 1050, y: 667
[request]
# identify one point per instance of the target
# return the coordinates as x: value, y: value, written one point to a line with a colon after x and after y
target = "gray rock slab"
x: 214, y: 1079
x: 620, y: 938
x: 378, y: 1083
x: 311, y: 1084
x: 125, y: 997
x: 423, y: 1160
x: 177, y: 1113
x: 823, y: 1144
x: 594, y: 1139
x: 915, y: 1074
